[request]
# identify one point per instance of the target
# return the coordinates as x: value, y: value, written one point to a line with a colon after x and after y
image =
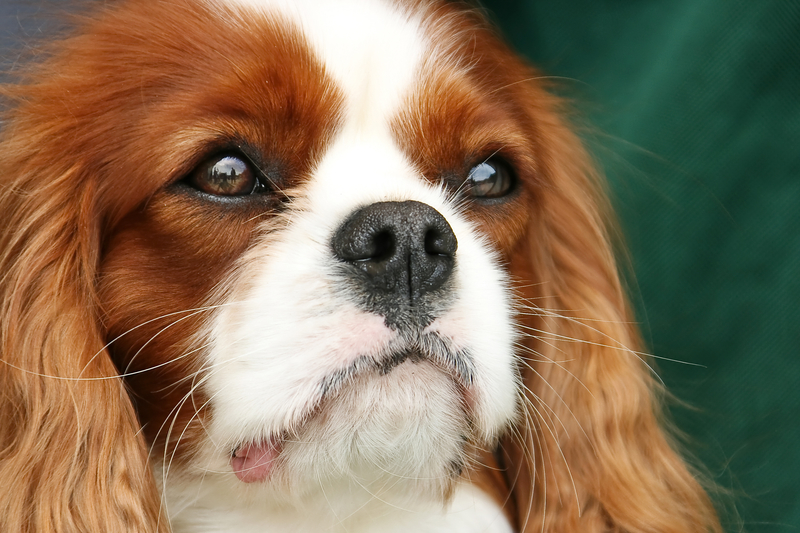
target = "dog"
x: 304, y: 265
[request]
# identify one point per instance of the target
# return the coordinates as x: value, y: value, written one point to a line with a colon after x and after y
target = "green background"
x: 695, y: 106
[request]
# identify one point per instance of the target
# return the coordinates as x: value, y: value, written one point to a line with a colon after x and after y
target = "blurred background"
x: 692, y: 107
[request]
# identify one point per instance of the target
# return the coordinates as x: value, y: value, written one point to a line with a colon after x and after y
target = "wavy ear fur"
x: 71, y: 457
x: 591, y: 454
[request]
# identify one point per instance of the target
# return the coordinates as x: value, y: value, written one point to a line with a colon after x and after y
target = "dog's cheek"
x: 157, y: 272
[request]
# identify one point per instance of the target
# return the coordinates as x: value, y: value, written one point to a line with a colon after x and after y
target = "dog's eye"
x: 224, y: 176
x: 490, y: 179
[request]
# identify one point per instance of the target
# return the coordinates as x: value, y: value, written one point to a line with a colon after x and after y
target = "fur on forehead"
x: 371, y: 48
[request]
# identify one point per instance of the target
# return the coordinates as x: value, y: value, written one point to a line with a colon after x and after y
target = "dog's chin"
x: 404, y: 432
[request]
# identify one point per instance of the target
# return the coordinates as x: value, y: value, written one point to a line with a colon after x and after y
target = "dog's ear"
x: 589, y: 453
x: 71, y: 454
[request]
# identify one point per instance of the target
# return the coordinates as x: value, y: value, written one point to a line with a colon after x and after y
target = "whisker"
x: 537, y: 78
x: 143, y: 324
x: 619, y: 345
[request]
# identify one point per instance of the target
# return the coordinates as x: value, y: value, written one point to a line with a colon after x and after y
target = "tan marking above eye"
x: 224, y: 176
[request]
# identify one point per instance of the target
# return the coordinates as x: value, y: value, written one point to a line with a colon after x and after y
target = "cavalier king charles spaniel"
x: 314, y: 266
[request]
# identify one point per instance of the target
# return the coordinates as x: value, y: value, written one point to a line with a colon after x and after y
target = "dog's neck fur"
x: 338, y: 509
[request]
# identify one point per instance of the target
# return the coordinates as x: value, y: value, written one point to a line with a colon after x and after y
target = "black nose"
x: 400, y: 252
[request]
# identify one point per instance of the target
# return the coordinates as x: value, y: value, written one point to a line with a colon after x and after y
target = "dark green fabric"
x: 699, y: 105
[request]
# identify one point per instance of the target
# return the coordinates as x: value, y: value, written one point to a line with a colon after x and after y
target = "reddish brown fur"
x: 94, y: 237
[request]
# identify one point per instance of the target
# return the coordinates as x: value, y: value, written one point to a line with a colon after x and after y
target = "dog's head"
x: 278, y: 247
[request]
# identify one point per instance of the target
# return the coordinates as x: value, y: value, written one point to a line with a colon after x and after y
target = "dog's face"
x: 317, y: 270
x: 337, y: 250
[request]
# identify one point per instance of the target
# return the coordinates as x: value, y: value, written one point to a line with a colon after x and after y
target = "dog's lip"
x: 254, y: 461
x: 452, y: 362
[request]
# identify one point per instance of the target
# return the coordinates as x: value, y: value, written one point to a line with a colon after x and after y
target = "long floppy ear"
x: 71, y: 457
x: 590, y: 454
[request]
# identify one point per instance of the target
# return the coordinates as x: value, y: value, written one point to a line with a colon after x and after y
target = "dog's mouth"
x: 430, y: 348
x: 256, y: 461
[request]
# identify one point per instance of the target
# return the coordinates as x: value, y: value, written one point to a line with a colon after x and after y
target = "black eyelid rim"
x: 214, y: 148
x: 493, y: 153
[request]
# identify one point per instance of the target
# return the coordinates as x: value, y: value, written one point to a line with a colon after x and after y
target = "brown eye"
x: 490, y: 179
x: 224, y: 176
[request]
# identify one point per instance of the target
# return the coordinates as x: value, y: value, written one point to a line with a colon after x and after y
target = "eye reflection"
x: 490, y: 179
x: 228, y: 168
x: 224, y: 176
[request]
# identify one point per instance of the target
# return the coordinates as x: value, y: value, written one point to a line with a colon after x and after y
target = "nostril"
x: 384, y: 247
x: 377, y: 253
x: 440, y: 243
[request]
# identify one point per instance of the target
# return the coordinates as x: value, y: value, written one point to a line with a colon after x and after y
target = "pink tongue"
x: 253, y: 462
